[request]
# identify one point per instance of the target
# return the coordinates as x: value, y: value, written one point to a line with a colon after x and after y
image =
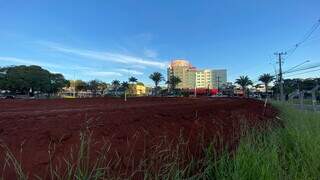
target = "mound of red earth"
x: 30, y: 128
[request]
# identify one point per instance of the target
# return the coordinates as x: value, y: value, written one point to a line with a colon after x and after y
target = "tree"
x: 132, y: 81
x: 156, y: 77
x: 57, y: 82
x: 78, y: 85
x: 116, y: 85
x: 125, y: 87
x: 3, y: 79
x: 266, y: 79
x: 140, y: 83
x: 27, y: 79
x: 93, y: 86
x: 102, y: 86
x: 173, y: 82
x: 244, y: 81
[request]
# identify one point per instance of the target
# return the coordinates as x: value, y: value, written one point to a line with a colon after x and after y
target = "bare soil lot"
x: 29, y: 127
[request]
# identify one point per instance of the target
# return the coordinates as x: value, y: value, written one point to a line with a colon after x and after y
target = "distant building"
x: 204, y: 78
x: 184, y: 70
x: 191, y: 77
x: 219, y: 77
x: 139, y: 90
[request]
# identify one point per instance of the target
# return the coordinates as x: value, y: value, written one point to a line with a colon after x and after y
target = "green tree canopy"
x: 125, y: 85
x: 133, y: 79
x: 30, y: 78
x: 244, y: 82
x: 156, y: 77
x: 79, y: 85
x: 266, y: 79
x: 173, y: 82
x: 140, y: 83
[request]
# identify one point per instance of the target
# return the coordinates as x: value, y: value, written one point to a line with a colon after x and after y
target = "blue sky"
x: 115, y: 39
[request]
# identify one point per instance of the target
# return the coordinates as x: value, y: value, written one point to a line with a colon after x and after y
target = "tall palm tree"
x: 116, y: 85
x: 266, y: 79
x: 244, y: 81
x: 125, y: 87
x: 156, y: 77
x: 132, y: 81
x: 173, y: 82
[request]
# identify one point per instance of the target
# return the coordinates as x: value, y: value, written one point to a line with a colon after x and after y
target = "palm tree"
x: 125, y: 87
x: 266, y: 79
x: 116, y: 85
x: 132, y: 80
x: 173, y: 82
x: 156, y: 77
x: 244, y: 81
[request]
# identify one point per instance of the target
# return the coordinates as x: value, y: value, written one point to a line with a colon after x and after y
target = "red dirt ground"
x: 27, y: 127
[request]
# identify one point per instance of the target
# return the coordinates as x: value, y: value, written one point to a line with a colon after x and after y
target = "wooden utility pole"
x: 280, y: 74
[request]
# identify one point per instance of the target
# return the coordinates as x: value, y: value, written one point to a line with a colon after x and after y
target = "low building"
x: 139, y: 90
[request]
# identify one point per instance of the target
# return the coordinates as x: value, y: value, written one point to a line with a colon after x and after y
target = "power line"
x: 304, y: 39
x: 294, y: 67
x: 302, y: 69
x: 315, y: 70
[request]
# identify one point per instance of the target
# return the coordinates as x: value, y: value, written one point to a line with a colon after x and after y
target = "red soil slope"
x: 27, y: 127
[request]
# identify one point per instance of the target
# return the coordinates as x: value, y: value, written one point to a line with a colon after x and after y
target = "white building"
x: 204, y: 79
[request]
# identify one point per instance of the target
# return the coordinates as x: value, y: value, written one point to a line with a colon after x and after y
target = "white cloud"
x: 150, y: 53
x: 103, y: 73
x: 107, y: 56
x: 129, y: 71
x: 15, y: 61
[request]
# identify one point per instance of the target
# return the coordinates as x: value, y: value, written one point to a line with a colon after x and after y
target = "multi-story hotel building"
x: 184, y: 70
x: 191, y: 77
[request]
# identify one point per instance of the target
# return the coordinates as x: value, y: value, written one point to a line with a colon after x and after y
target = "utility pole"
x: 280, y: 74
x: 218, y: 83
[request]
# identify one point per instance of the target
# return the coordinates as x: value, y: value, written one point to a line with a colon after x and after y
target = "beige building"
x: 191, y: 77
x: 139, y: 90
x: 184, y: 70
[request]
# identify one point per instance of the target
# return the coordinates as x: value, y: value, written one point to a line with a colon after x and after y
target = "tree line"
x: 30, y: 79
x: 289, y: 85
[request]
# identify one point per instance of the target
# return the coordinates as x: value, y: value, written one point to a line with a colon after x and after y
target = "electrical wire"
x: 315, y: 70
x: 303, y: 68
x: 304, y: 39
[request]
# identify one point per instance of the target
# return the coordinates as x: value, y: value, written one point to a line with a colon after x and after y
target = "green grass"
x: 297, y: 101
x: 287, y: 151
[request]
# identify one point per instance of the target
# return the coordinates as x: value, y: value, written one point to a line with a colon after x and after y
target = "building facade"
x: 194, y: 78
x: 219, y: 78
x: 184, y: 70
x: 204, y: 79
